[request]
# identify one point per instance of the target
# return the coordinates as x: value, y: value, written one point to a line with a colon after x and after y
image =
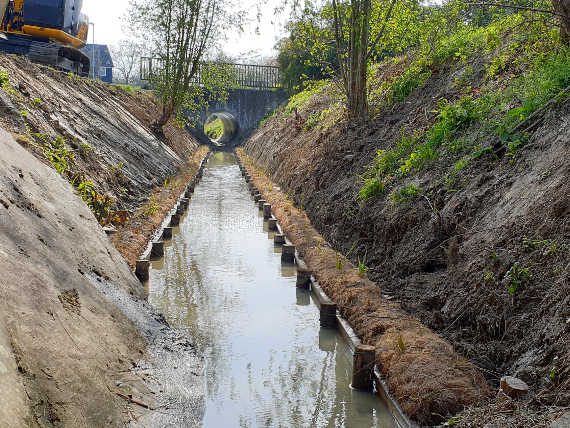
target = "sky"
x: 106, y: 15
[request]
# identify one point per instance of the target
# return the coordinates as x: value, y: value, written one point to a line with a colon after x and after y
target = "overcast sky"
x: 106, y: 15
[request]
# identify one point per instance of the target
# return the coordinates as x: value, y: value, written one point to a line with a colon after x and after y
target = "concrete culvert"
x: 221, y: 127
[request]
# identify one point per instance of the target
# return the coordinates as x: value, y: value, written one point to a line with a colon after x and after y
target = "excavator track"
x: 47, y: 53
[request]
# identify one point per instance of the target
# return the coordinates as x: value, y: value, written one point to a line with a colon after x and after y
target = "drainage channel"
x: 268, y: 361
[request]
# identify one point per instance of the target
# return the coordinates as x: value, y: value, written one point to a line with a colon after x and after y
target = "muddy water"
x: 268, y: 363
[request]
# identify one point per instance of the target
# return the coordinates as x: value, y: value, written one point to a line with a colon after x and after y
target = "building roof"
x: 102, y: 55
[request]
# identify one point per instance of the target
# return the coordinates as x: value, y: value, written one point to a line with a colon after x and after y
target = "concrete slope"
x: 60, y: 340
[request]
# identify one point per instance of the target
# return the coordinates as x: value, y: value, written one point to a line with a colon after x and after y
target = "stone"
x: 513, y: 386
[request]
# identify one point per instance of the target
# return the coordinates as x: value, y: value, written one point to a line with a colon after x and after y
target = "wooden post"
x: 260, y: 204
x: 328, y: 314
x: 288, y: 253
x: 279, y: 239
x: 157, y: 250
x: 272, y: 224
x: 167, y: 233
x: 363, y: 367
x: 141, y: 270
x: 266, y: 211
x: 174, y: 220
x: 303, y: 278
x: 257, y: 197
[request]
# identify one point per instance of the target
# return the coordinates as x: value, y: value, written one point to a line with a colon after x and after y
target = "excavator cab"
x: 47, y: 31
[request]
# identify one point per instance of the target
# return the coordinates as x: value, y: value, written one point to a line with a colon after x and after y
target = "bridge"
x: 256, y: 92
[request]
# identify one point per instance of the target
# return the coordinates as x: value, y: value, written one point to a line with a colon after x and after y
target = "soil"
x: 79, y: 346
x: 446, y: 256
x: 133, y: 236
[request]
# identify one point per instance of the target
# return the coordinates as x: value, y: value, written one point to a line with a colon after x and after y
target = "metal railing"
x: 239, y: 75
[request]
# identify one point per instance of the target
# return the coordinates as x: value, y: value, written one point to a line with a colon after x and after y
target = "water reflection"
x: 268, y: 363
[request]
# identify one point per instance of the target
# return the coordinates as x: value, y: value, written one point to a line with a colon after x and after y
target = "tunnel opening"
x: 221, y: 128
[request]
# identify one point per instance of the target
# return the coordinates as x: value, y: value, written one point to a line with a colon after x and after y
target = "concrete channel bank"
x: 419, y: 369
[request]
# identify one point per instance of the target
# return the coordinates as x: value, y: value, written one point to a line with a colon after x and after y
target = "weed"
x: 516, y: 275
x: 4, y: 80
x: 549, y: 246
x: 84, y: 149
x: 408, y: 191
x: 152, y: 207
x: 339, y: 262
x: 362, y: 268
x: 269, y: 187
x: 489, y: 276
x: 401, y: 344
x: 165, y: 182
x: 36, y: 102
x: 100, y: 205
x: 372, y: 187
x: 460, y: 164
x: 24, y: 113
x: 414, y: 77
x: 116, y: 169
x: 56, y: 152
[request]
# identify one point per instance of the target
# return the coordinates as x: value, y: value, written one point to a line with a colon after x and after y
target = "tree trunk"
x: 562, y: 7
x: 359, y: 35
x: 167, y: 112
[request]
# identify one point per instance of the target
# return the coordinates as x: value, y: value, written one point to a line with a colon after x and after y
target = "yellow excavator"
x: 50, y: 32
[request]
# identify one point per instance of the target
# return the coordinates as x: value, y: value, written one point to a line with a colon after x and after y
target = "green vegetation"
x: 362, y: 268
x: 516, y: 276
x: 55, y: 151
x: 404, y: 193
x: 36, y: 102
x: 101, y: 205
x: 339, y: 262
x: 214, y: 129
x: 152, y: 207
x: 547, y: 245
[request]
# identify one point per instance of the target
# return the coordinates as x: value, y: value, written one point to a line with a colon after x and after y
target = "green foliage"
x: 412, y: 78
x: 372, y: 187
x: 488, y: 276
x: 516, y: 275
x: 56, y: 152
x: 362, y: 268
x: 24, y: 113
x: 130, y: 89
x: 339, y: 262
x: 152, y: 207
x: 36, y: 102
x: 85, y: 149
x: 548, y: 245
x: 301, y: 100
x: 100, y: 205
x: 4, y: 80
x: 214, y: 129
x: 404, y: 193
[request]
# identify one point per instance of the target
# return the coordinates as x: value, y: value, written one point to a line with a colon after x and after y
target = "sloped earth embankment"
x: 79, y: 346
x: 105, y: 131
x: 447, y: 256
x: 68, y: 356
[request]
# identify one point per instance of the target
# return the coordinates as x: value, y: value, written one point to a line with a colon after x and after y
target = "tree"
x: 180, y: 32
x: 562, y: 8
x: 126, y: 59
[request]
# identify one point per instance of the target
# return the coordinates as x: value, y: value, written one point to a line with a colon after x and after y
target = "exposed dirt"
x: 106, y: 131
x: 78, y: 344
x: 133, y: 236
x: 423, y: 372
x: 446, y: 257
